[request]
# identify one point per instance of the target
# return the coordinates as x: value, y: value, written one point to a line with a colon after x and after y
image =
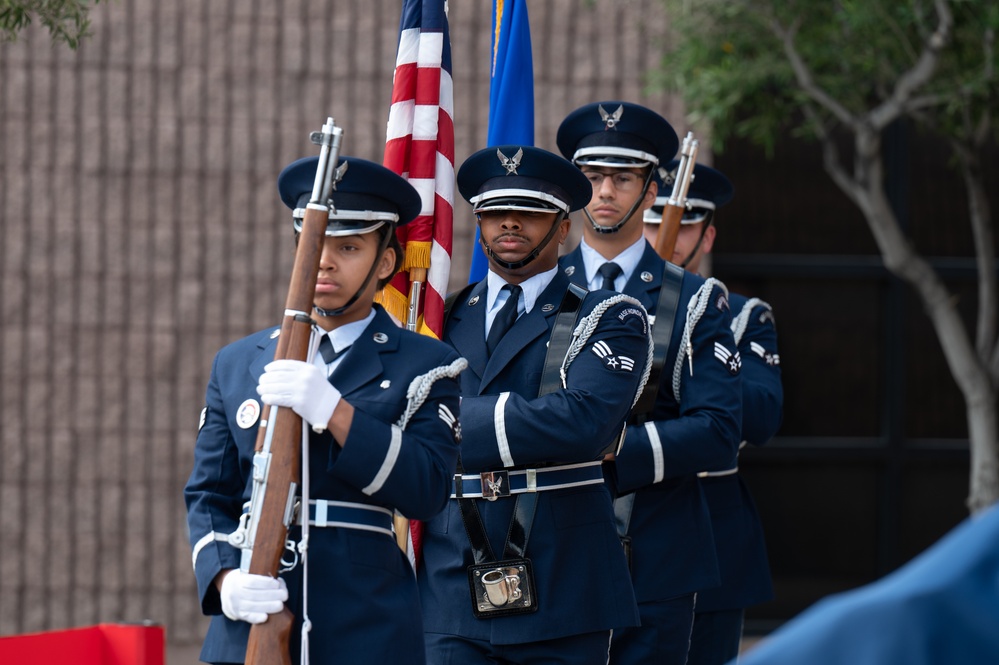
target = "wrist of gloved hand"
x: 302, y: 387
x: 251, y: 598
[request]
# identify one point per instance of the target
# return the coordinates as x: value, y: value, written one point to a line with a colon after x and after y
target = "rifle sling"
x: 526, y: 504
x: 662, y: 332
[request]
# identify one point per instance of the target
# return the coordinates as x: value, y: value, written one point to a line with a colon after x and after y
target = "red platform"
x: 103, y: 644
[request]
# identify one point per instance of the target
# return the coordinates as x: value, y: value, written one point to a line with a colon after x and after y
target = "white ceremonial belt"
x: 347, y: 515
x: 715, y: 474
x: 495, y: 484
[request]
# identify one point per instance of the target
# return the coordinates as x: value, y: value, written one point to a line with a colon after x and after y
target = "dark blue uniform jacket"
x: 362, y: 594
x: 742, y: 552
x: 581, y: 574
x: 673, y: 550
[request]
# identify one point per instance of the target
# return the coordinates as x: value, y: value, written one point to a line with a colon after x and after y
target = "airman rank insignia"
x: 771, y: 359
x: 612, y: 361
x: 445, y: 414
x: 201, y: 420
x: 732, y: 361
x: 722, y: 302
x: 247, y: 413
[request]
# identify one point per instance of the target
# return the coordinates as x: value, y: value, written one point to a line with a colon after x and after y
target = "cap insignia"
x: 668, y: 177
x: 610, y: 119
x: 338, y: 173
x: 511, y: 164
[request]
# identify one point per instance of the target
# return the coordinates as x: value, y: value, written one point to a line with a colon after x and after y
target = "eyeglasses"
x: 622, y: 180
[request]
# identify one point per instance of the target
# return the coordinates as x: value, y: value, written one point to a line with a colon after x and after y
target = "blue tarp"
x: 942, y: 608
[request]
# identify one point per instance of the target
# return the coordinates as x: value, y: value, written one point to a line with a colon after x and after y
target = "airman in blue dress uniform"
x: 742, y: 554
x: 693, y: 422
x: 374, y: 448
x: 537, y: 427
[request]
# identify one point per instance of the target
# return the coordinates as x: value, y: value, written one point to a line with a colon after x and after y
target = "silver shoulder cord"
x: 741, y: 320
x: 588, y: 324
x: 695, y: 310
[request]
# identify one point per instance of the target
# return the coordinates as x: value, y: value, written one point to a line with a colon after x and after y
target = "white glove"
x: 301, y: 386
x: 251, y: 598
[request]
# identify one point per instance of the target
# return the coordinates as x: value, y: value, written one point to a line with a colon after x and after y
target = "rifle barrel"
x: 676, y: 205
x: 277, y: 476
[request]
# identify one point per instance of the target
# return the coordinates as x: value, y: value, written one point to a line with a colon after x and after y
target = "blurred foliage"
x: 730, y: 66
x: 67, y: 20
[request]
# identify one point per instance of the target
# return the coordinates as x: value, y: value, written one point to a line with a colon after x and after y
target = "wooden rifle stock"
x: 673, y: 211
x: 276, y: 464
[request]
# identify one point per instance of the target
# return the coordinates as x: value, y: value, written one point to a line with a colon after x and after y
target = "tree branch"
x: 920, y: 73
x: 804, y: 75
x: 979, y: 216
x: 830, y: 156
x: 925, y: 102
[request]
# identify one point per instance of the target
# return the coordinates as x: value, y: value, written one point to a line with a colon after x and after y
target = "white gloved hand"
x: 302, y: 387
x: 251, y: 598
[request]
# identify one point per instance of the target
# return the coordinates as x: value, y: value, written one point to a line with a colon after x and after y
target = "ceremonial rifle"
x: 673, y: 211
x: 276, y: 462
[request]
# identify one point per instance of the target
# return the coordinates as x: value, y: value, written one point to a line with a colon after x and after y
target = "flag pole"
x: 419, y: 146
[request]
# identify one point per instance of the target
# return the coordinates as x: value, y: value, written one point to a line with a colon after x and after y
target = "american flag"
x: 420, y: 146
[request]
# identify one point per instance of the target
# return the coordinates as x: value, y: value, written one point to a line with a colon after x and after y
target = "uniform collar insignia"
x: 610, y: 119
x: 511, y: 164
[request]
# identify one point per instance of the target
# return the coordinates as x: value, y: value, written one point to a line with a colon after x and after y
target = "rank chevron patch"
x: 772, y: 359
x: 445, y: 414
x: 732, y: 361
x: 603, y: 351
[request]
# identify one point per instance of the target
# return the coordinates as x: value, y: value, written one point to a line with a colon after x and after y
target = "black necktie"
x: 504, y: 318
x: 326, y: 349
x: 609, y: 271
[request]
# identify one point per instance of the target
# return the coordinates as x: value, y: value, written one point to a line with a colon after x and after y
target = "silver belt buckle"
x: 495, y: 484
